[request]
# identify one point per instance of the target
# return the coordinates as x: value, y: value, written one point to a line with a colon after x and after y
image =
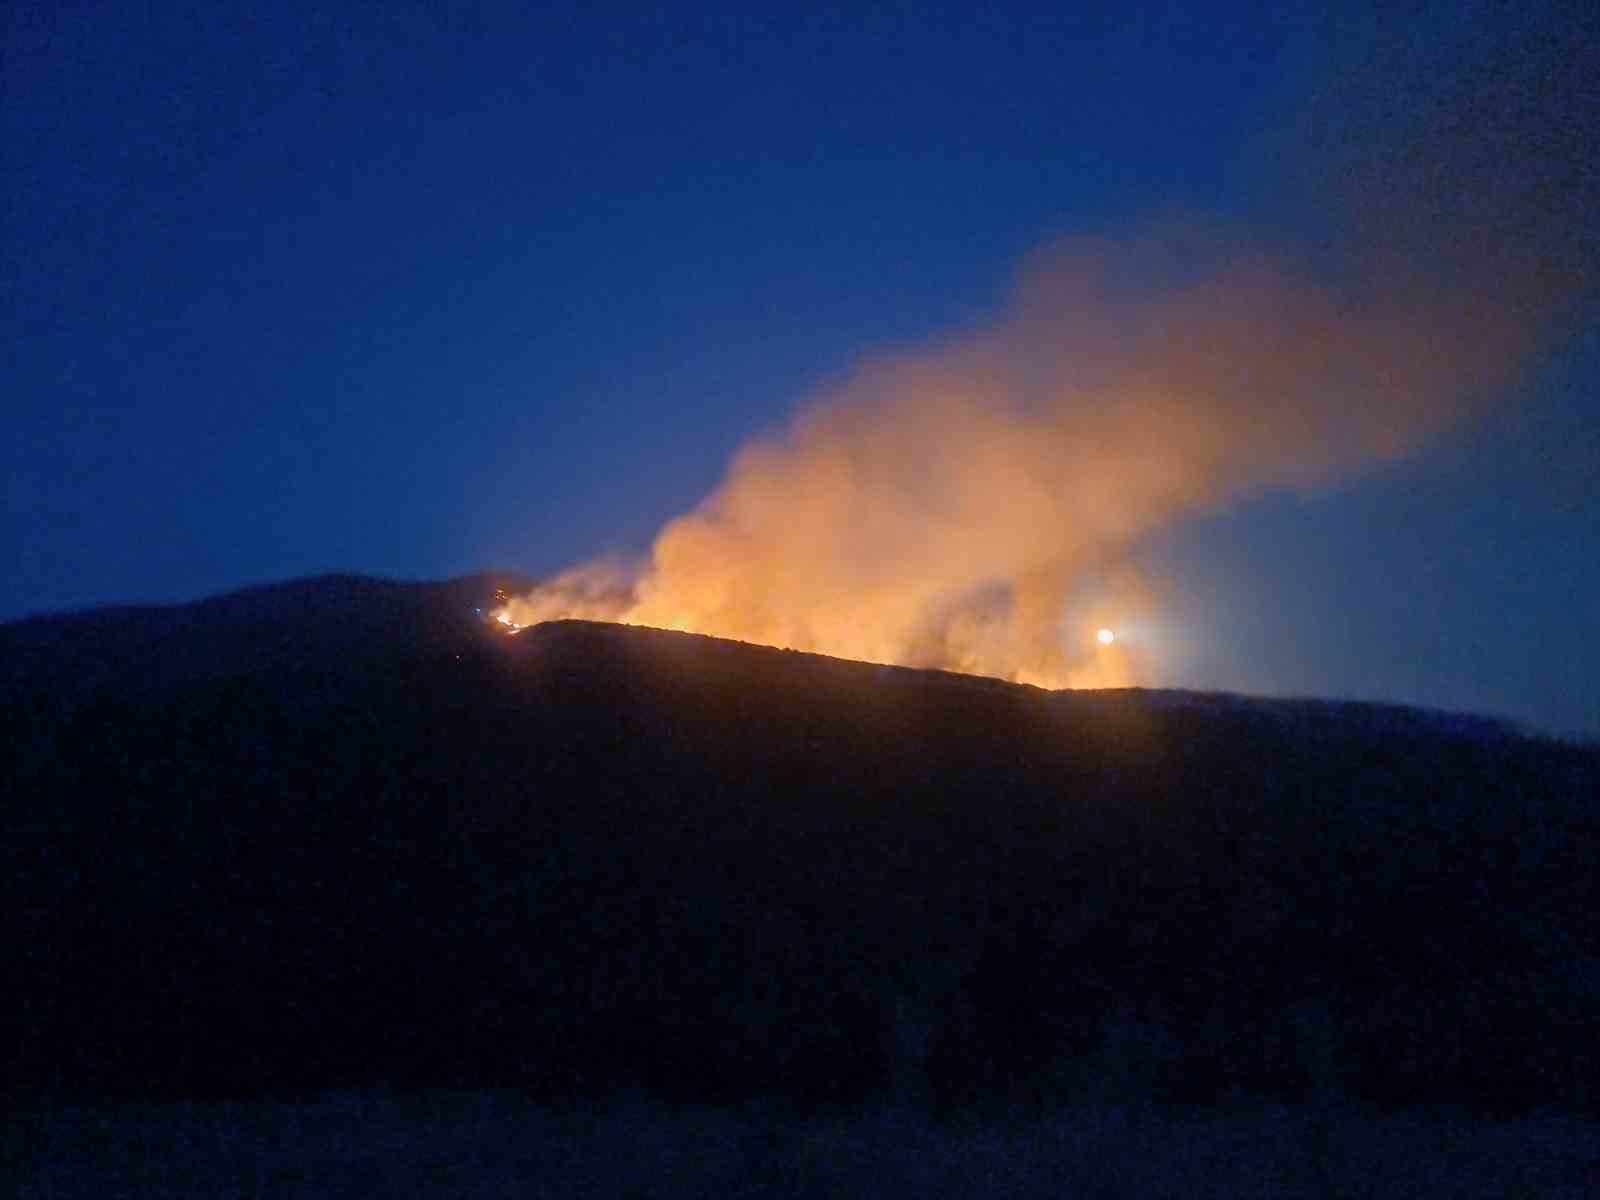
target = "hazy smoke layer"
x: 944, y: 507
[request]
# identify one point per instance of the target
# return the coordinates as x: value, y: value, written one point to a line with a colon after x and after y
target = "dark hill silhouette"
x: 341, y: 833
x: 69, y: 656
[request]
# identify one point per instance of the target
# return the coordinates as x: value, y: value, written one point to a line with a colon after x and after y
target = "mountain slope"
x: 145, y: 648
x: 591, y: 855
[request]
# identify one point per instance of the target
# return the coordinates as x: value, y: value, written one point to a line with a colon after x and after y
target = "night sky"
x: 416, y: 289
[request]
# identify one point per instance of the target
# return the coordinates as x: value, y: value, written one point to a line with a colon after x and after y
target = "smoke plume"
x: 974, y: 505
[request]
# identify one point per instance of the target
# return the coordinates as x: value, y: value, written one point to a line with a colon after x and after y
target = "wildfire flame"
x: 978, y: 506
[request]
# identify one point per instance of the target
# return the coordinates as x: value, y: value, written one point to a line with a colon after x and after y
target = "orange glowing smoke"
x: 944, y: 508
x: 949, y: 507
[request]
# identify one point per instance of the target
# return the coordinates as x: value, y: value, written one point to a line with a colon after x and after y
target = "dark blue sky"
x: 414, y: 289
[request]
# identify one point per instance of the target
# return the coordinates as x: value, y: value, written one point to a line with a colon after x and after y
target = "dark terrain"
x: 342, y: 835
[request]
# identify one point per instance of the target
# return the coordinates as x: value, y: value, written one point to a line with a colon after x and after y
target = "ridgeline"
x: 341, y: 833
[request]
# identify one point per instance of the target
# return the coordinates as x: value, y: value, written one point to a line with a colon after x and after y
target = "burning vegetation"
x: 978, y: 505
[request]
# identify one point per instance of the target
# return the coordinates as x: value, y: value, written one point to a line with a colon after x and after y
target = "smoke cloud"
x: 974, y: 505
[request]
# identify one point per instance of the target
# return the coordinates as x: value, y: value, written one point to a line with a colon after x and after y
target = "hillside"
x: 340, y: 834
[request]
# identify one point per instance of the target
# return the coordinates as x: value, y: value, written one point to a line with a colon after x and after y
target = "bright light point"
x: 502, y: 618
x: 1105, y: 637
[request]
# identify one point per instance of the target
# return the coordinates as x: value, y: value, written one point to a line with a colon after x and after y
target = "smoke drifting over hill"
x: 974, y: 505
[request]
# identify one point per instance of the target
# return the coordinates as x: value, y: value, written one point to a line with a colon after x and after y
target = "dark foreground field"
x: 596, y: 900
x: 501, y: 1144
